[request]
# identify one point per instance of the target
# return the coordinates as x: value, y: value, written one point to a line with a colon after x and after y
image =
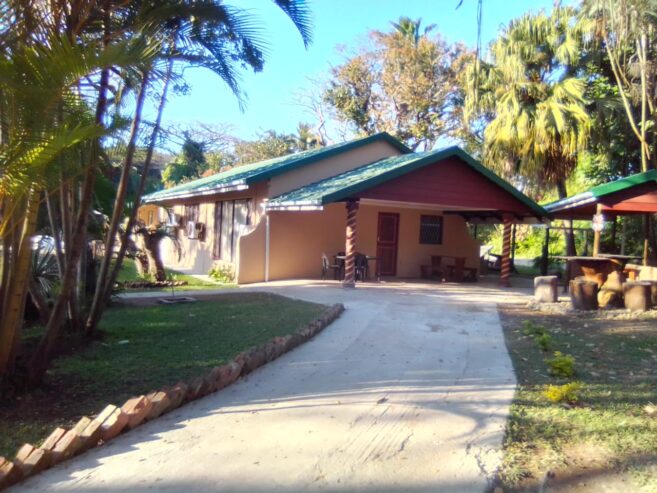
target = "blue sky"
x: 339, y: 26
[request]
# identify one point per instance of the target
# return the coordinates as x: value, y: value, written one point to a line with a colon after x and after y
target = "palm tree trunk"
x: 41, y: 357
x: 569, y: 235
x: 95, y: 313
x: 117, y: 213
x: 16, y: 294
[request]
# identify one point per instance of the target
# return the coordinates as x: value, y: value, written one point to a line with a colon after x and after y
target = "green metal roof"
x: 347, y: 184
x: 600, y: 191
x: 241, y: 177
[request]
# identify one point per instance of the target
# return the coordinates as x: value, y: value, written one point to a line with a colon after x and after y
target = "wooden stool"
x: 584, y: 294
x: 637, y: 295
x: 545, y: 289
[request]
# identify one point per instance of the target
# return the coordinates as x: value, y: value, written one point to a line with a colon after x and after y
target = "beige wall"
x: 298, y: 239
x: 331, y: 166
x: 196, y: 257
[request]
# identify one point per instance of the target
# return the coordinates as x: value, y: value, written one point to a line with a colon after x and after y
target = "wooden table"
x: 458, y: 270
x: 592, y: 268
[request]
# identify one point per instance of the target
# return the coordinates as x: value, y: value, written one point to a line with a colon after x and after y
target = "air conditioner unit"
x: 191, y: 230
x: 173, y: 220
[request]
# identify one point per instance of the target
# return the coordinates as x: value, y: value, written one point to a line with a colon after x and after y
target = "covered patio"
x: 444, y: 187
x: 630, y: 196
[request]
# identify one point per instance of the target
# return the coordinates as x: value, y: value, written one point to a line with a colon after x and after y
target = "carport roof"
x: 350, y: 183
x: 241, y: 177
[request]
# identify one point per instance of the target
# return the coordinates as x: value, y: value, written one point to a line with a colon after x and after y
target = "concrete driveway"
x: 407, y: 392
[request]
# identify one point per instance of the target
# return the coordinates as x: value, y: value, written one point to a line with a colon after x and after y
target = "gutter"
x: 234, y: 187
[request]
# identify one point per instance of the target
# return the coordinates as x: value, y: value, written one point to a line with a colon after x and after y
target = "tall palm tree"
x: 410, y: 29
x: 540, y: 121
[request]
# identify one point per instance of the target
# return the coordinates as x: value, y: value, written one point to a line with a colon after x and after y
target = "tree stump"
x: 584, y: 294
x: 545, y: 289
x: 637, y: 295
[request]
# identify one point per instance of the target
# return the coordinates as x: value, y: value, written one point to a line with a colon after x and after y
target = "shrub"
x: 562, y: 365
x: 544, y: 341
x: 531, y: 329
x: 568, y: 392
x: 222, y: 272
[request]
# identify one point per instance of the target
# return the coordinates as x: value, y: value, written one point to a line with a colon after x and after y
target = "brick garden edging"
x: 88, y: 433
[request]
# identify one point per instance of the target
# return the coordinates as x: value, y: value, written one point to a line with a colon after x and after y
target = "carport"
x: 448, y: 179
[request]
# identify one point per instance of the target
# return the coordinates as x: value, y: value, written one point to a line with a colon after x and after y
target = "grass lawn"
x: 145, y: 348
x: 128, y: 272
x: 607, y: 440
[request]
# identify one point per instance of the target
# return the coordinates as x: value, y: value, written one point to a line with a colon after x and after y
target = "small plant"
x: 562, y: 365
x: 531, y: 329
x: 222, y: 273
x: 568, y: 393
x: 544, y: 341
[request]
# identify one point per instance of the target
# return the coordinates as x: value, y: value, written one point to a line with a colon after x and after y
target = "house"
x: 275, y: 219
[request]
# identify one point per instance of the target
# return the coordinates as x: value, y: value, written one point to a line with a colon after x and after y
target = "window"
x: 431, y: 230
x: 230, y: 220
x: 191, y: 213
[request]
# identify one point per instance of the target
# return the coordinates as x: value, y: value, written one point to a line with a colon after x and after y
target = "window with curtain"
x: 231, y: 219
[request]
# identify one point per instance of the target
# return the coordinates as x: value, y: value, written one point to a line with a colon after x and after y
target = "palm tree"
x: 540, y: 119
x: 200, y: 33
x: 409, y: 29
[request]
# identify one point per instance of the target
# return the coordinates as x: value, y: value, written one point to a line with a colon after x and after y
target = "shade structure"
x: 635, y: 194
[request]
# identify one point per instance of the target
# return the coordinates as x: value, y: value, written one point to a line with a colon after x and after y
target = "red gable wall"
x: 450, y: 182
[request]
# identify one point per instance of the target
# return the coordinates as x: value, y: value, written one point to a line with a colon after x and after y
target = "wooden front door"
x: 386, y: 243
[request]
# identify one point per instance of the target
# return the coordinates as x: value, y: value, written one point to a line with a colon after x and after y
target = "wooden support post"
x: 513, y: 247
x: 646, y: 234
x: 597, y: 233
x: 546, y: 252
x: 350, y: 245
x: 505, y: 269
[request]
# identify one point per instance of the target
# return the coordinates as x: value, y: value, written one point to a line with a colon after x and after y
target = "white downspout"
x: 267, y: 229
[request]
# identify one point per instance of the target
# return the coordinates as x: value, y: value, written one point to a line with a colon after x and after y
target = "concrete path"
x: 407, y: 392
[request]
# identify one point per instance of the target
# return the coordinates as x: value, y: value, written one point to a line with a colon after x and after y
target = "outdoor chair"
x: 326, y: 266
x: 362, y: 269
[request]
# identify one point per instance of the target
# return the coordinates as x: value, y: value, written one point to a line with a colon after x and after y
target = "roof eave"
x: 234, y: 187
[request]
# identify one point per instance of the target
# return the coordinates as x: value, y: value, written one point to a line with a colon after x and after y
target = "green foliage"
x: 405, y: 84
x: 188, y: 165
x: 223, y: 273
x: 531, y: 329
x: 538, y: 333
x: 544, y: 341
x: 568, y: 393
x: 562, y: 365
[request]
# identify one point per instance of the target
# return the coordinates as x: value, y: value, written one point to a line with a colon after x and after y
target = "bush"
x: 568, y: 393
x: 562, y: 365
x: 223, y: 273
x: 544, y: 341
x: 533, y: 330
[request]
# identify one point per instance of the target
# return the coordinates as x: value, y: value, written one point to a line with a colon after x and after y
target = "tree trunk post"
x: 546, y: 252
x: 350, y: 245
x: 597, y: 233
x: 505, y: 269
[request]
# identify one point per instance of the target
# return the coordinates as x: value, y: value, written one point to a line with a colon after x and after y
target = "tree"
x: 532, y: 88
x: 188, y: 165
x: 65, y: 70
x: 405, y: 84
